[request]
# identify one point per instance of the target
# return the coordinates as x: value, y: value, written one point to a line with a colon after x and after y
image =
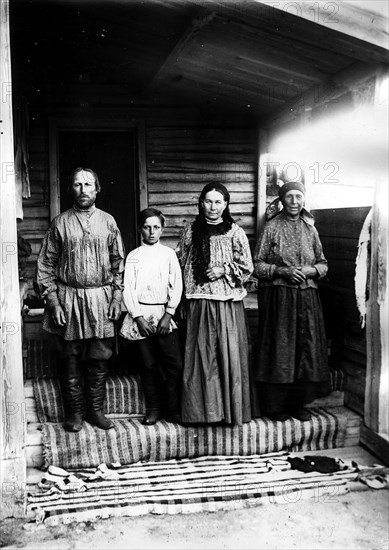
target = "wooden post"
x: 376, y: 432
x: 262, y: 165
x: 13, y: 426
x: 377, y: 314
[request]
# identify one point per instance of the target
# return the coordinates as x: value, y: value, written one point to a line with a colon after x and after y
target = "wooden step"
x: 34, y: 444
x: 334, y: 399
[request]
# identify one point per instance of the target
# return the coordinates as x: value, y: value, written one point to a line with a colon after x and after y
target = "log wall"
x: 181, y: 160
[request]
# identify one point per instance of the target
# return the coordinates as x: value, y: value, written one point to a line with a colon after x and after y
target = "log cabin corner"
x: 162, y: 96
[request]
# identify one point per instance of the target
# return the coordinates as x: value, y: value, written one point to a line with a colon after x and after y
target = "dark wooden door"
x: 112, y: 155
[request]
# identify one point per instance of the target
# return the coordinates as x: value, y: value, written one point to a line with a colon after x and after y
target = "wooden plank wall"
x: 181, y: 160
x: 339, y: 231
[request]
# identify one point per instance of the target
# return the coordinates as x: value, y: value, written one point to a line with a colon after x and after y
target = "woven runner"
x: 129, y: 441
x: 124, y: 396
x: 179, y: 486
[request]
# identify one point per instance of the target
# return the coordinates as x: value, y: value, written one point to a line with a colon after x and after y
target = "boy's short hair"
x: 149, y: 213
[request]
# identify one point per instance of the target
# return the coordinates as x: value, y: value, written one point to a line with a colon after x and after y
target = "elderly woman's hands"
x: 296, y: 275
x: 293, y: 275
x: 309, y: 272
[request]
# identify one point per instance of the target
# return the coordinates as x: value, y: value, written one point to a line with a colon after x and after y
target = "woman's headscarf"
x: 275, y: 207
x: 291, y: 186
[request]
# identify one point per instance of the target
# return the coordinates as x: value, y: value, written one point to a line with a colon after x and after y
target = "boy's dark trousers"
x: 161, y: 352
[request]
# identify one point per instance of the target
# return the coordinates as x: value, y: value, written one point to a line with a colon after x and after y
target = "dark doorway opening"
x: 112, y: 154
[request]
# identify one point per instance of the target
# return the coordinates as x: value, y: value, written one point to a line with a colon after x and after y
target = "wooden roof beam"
x: 317, y: 95
x: 258, y: 87
x: 203, y: 18
x: 231, y: 93
x: 340, y: 16
x: 337, y: 26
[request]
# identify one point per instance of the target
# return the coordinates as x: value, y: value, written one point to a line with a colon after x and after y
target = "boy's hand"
x: 164, y: 324
x: 144, y: 327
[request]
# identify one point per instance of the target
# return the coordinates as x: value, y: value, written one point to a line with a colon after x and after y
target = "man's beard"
x: 85, y: 204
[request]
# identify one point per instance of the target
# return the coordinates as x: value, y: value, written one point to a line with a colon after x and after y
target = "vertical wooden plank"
x: 13, y: 428
x: 377, y: 379
x: 382, y: 200
x: 263, y: 144
x: 383, y: 302
x: 143, y: 191
x: 373, y: 341
x: 54, y: 187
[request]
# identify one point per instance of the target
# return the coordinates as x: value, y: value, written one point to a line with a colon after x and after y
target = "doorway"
x: 112, y: 155
x: 115, y: 150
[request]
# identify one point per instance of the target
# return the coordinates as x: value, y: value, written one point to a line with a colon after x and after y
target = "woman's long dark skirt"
x: 290, y: 361
x: 216, y: 368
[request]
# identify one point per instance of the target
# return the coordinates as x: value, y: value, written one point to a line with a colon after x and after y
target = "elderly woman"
x: 215, y: 257
x: 291, y: 365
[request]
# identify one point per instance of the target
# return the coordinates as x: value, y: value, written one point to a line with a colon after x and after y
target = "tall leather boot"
x: 151, y: 395
x: 72, y: 393
x: 173, y: 390
x: 95, y: 380
x: 150, y: 380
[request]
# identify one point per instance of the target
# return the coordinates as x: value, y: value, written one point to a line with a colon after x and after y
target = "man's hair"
x: 92, y: 173
x: 150, y: 213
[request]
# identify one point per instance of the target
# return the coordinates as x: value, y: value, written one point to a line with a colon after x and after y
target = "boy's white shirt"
x: 152, y: 276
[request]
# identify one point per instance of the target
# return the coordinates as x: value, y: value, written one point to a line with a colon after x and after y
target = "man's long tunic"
x: 80, y: 266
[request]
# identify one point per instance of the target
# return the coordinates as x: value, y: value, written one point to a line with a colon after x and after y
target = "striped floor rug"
x: 179, y: 486
x: 130, y: 442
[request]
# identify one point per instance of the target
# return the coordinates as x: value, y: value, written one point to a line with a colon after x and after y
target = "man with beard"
x: 80, y: 274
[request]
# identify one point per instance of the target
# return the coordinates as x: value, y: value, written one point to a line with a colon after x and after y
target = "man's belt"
x: 82, y: 287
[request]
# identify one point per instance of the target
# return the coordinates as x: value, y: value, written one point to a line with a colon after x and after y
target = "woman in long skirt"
x: 291, y: 367
x: 215, y: 258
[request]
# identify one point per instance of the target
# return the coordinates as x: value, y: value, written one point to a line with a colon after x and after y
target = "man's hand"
x: 214, y: 273
x: 58, y: 316
x: 144, y: 327
x: 114, y: 310
x: 164, y: 324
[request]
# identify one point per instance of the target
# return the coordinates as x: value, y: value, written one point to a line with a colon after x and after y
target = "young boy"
x: 152, y: 292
